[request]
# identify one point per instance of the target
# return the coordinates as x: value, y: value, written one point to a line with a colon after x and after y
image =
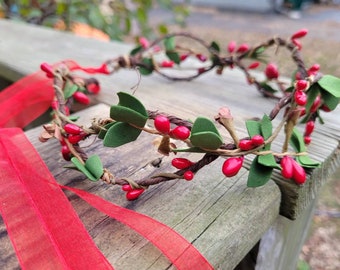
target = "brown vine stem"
x: 154, y: 180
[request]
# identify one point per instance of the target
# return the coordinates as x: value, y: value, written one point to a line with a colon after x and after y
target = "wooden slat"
x: 203, y: 96
x: 220, y: 216
x: 211, y: 211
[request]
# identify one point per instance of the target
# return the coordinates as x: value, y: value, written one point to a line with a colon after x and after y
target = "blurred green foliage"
x: 116, y: 18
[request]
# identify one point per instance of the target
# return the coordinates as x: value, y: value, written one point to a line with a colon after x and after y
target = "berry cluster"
x: 309, y: 93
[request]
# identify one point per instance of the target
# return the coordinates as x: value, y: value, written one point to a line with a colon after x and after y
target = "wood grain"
x: 222, y: 217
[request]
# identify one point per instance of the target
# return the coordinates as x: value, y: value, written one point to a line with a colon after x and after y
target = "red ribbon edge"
x: 45, y: 230
x: 179, y: 251
x: 174, y: 246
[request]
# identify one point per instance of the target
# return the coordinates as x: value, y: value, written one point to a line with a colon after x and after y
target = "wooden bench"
x: 223, y: 218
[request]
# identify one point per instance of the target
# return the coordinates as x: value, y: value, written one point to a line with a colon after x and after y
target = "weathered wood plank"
x: 220, y: 216
x: 223, y: 218
x: 203, y: 96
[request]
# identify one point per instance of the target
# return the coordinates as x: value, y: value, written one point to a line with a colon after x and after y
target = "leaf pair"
x: 262, y: 166
x: 299, y: 146
x: 205, y: 135
x: 129, y: 114
x: 93, y: 167
x: 170, y: 46
x: 330, y: 91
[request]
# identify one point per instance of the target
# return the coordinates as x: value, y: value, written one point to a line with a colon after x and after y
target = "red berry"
x: 254, y: 65
x: 298, y: 76
x: 257, y: 140
x: 55, y: 105
x: 126, y: 187
x: 201, y: 70
x: 162, y: 124
x: 167, y: 64
x: 65, y: 151
x: 299, y: 174
x: 184, y: 56
x: 245, y: 145
x: 297, y: 44
x: 156, y: 48
x: 180, y: 133
x: 287, y: 167
x: 307, y: 139
x: 72, y: 129
x: 67, y: 110
x: 73, y: 139
x: 201, y: 57
x: 309, y: 128
x: 301, y: 85
x: 48, y: 69
x: 271, y: 71
x: 231, y: 46
x: 188, y: 175
x: 144, y: 42
x: 316, y: 104
x: 181, y: 163
x: 81, y: 98
x: 93, y: 88
x: 299, y: 34
x: 232, y: 166
x: 302, y: 111
x: 325, y: 108
x: 134, y: 194
x: 243, y: 48
x: 313, y: 69
x: 300, y: 98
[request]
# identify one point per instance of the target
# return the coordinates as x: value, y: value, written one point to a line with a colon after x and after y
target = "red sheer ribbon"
x: 28, y: 98
x: 25, y: 100
x: 178, y: 250
x: 40, y: 220
x: 44, y: 228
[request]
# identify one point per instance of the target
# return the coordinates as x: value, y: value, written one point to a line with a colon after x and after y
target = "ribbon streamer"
x: 25, y: 100
x: 40, y: 219
x: 44, y: 228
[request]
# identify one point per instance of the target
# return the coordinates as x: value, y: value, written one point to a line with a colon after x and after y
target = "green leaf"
x: 73, y: 118
x: 267, y: 87
x: 215, y: 46
x: 94, y: 165
x: 206, y: 140
x: 119, y: 134
x: 297, y: 142
x: 169, y: 43
x: 266, y: 127
x: 136, y: 50
x: 330, y: 84
x: 81, y: 167
x: 102, y: 132
x: 162, y: 29
x: 174, y: 56
x: 70, y: 89
x: 331, y: 101
x: 148, y: 68
x: 321, y: 121
x: 268, y: 160
x: 253, y: 127
x: 259, y: 174
x: 204, y: 134
x: 124, y: 114
x: 131, y: 102
x: 307, y: 162
x: 202, y: 124
x: 313, y: 92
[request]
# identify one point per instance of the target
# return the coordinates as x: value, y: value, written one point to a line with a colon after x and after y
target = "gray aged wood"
x: 222, y: 217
